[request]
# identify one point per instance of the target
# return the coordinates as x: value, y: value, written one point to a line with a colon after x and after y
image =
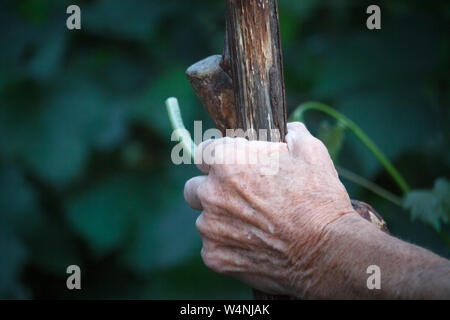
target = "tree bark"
x: 256, y: 63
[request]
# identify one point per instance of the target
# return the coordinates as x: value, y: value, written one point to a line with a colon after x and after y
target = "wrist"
x: 335, y: 270
x: 349, y: 245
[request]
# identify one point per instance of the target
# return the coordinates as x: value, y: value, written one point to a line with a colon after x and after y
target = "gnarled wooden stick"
x: 256, y: 63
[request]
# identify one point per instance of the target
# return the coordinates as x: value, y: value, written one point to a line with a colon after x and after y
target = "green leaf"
x: 52, y: 247
x: 48, y: 57
x: 13, y: 257
x: 104, y: 214
x: 107, y: 214
x: 164, y: 241
x: 132, y: 19
x: 17, y: 198
x: 19, y: 202
x: 430, y: 206
x: 61, y: 130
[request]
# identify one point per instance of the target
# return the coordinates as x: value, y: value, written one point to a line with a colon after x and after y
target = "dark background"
x: 85, y: 170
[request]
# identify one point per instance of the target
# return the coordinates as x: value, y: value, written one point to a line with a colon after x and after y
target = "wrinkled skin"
x: 294, y: 231
x: 266, y: 229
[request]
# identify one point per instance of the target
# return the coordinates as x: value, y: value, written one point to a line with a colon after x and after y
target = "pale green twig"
x: 369, y: 185
x: 173, y: 109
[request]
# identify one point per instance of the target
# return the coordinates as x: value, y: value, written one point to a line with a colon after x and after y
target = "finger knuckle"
x: 215, y: 264
x: 205, y: 192
x: 320, y: 146
x: 225, y: 153
x: 200, y: 224
x: 298, y: 124
x: 229, y: 177
x: 210, y: 259
x: 316, y: 145
x: 205, y: 255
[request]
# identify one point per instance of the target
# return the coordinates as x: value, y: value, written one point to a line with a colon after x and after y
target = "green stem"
x: 357, y: 131
x: 369, y: 185
x: 176, y: 121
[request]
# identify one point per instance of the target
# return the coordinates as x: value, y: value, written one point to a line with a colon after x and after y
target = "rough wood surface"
x: 369, y: 213
x: 214, y: 88
x: 256, y: 63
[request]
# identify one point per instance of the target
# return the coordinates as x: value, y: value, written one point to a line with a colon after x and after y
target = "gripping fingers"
x: 206, y: 156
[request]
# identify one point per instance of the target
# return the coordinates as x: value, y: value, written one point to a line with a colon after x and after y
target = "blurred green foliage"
x: 85, y: 170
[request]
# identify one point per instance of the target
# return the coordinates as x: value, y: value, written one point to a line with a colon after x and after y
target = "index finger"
x: 205, y: 153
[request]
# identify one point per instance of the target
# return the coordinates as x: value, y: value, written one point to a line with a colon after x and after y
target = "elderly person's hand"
x: 265, y: 229
x: 293, y: 230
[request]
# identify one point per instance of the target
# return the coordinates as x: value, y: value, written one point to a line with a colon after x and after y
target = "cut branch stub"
x: 214, y: 88
x: 254, y: 49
